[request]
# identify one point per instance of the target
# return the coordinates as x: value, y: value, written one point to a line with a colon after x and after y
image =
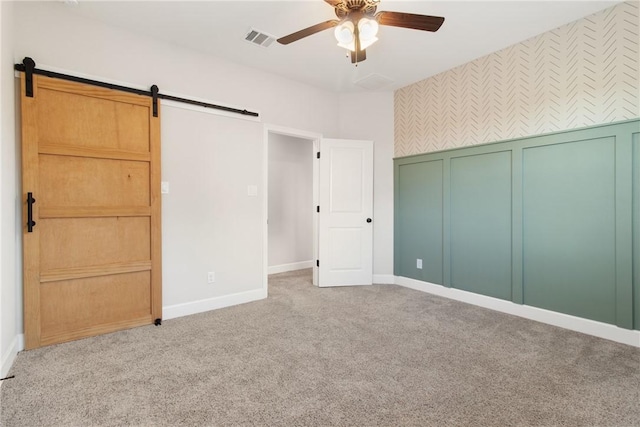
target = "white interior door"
x: 346, y: 213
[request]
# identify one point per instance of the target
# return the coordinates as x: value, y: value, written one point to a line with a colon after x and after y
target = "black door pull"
x: 368, y: 219
x: 30, y: 221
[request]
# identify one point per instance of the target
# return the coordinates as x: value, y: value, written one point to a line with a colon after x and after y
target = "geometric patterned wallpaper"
x: 583, y: 73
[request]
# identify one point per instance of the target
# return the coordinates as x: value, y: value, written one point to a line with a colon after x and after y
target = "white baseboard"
x: 10, y: 355
x: 283, y: 268
x: 179, y: 310
x: 384, y: 279
x: 578, y: 324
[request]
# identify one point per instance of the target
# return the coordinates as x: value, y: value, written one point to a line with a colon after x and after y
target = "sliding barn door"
x: 90, y: 186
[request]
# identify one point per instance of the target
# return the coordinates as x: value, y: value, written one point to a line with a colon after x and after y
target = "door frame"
x: 315, y: 139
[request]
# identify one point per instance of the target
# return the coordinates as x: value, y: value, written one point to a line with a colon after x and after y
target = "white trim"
x: 283, y: 268
x: 296, y: 133
x: 384, y: 279
x: 186, y: 309
x: 316, y: 214
x: 10, y: 356
x: 265, y: 209
x: 345, y: 285
x: 578, y: 324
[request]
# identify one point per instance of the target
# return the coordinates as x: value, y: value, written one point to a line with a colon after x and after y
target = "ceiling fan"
x: 358, y: 25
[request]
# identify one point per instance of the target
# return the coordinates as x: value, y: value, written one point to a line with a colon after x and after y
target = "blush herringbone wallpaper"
x: 578, y: 75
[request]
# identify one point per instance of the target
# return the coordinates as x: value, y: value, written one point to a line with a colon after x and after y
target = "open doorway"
x: 290, y: 208
x: 341, y: 209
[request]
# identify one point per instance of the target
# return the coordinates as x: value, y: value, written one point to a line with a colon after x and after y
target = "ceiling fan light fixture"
x: 358, y: 25
x: 368, y: 29
x: 345, y: 35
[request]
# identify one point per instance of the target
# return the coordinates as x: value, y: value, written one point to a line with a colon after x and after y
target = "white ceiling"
x: 472, y: 29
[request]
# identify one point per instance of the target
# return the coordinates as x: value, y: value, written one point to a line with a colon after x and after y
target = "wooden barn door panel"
x: 91, y: 159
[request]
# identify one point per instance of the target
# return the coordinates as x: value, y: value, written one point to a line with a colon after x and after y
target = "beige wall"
x: 578, y: 75
x: 10, y: 218
x: 374, y: 121
x: 209, y: 221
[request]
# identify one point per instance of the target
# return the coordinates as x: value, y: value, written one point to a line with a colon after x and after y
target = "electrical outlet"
x: 419, y: 264
x: 211, y: 277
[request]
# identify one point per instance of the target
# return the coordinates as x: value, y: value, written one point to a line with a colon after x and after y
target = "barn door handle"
x: 30, y: 221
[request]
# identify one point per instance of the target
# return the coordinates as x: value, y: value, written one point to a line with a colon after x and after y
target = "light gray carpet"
x: 361, y: 356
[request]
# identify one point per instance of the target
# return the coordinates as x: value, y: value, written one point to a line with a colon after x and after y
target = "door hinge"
x: 318, y: 154
x: 317, y: 263
x: 317, y: 208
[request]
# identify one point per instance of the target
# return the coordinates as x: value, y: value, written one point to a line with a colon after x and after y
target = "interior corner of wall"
x: 9, y: 356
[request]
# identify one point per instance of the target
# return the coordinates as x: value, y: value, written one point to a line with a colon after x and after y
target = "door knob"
x: 368, y: 219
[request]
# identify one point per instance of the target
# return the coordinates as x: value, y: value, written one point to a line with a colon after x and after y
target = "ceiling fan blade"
x: 308, y: 31
x: 410, y: 20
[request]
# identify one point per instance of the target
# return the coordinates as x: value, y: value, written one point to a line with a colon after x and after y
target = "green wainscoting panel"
x: 551, y: 221
x: 636, y: 229
x: 624, y: 229
x: 419, y: 221
x: 569, y: 228
x: 481, y: 224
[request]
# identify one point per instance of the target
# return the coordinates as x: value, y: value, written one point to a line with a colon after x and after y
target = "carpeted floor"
x: 361, y: 356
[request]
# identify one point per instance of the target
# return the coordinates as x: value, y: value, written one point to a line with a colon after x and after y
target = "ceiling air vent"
x: 259, y: 38
x: 374, y: 82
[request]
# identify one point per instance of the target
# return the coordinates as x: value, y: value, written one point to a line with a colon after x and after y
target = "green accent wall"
x: 420, y: 220
x: 481, y: 224
x: 569, y: 228
x: 551, y: 221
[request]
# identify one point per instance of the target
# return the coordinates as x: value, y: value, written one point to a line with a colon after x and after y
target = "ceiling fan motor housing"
x: 367, y: 7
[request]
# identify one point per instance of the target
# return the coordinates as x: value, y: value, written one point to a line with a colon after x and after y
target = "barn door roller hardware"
x: 28, y: 66
x: 154, y: 95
